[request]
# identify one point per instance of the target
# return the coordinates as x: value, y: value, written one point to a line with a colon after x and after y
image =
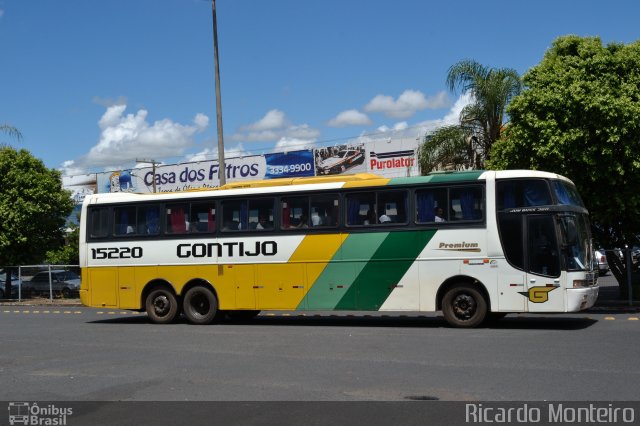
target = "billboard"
x: 393, y: 157
x: 340, y: 159
x: 204, y: 174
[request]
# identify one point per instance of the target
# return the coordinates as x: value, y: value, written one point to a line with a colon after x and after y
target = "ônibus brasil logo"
x: 27, y: 413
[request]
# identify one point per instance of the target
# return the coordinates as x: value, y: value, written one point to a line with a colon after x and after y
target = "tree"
x: 33, y: 207
x: 481, y: 121
x: 579, y: 117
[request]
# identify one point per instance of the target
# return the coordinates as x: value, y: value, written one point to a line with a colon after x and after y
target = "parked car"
x: 600, y: 258
x: 15, y: 282
x: 63, y: 282
x: 340, y: 162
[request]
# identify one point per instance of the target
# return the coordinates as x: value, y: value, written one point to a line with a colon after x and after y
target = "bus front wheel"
x: 464, y: 306
x: 161, y: 306
x: 200, y: 305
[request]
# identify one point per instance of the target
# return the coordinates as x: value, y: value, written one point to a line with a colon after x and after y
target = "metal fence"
x: 34, y: 281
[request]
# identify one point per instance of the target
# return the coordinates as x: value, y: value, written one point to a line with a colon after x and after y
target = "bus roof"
x: 326, y: 182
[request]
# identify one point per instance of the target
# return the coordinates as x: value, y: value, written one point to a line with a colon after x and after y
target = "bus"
x: 475, y: 245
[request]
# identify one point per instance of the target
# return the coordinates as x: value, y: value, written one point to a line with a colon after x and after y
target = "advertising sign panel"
x: 393, y: 157
x: 204, y: 174
x: 289, y: 164
x: 340, y: 159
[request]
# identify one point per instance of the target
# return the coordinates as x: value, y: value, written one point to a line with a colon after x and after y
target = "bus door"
x: 543, y: 289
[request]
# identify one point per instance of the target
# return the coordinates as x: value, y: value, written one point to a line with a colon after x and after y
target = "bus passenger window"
x: 261, y: 214
x: 466, y: 203
x: 361, y: 209
x: 324, y: 211
x: 392, y: 207
x: 124, y: 220
x: 235, y: 215
x: 295, y: 212
x: 149, y: 220
x: 177, y: 218
x: 99, y: 224
x: 203, y: 217
x: 431, y: 206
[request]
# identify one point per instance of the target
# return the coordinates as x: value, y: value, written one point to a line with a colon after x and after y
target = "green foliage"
x: 33, y: 208
x: 68, y: 254
x: 469, y: 144
x: 446, y: 149
x: 580, y: 117
x: 11, y: 131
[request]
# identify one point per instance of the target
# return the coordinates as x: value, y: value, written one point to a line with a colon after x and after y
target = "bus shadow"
x: 400, y: 321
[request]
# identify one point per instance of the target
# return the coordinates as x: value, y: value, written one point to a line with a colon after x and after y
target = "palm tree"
x: 482, y: 120
x: 11, y: 131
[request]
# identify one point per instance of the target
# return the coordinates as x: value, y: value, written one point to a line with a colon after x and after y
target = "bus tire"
x: 200, y: 305
x: 161, y: 306
x: 464, y: 306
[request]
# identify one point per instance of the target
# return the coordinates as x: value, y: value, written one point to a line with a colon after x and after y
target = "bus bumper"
x: 84, y: 297
x: 579, y: 299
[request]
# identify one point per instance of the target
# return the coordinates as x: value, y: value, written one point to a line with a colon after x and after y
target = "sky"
x: 93, y: 85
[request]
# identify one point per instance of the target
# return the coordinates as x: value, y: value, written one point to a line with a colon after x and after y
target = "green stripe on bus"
x: 393, y: 258
x: 443, y: 177
x: 332, y: 284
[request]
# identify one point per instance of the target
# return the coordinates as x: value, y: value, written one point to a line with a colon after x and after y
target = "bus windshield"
x: 576, y: 237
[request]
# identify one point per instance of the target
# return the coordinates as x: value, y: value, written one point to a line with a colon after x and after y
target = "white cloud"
x: 124, y: 138
x: 272, y: 127
x: 407, y: 104
x: 293, y: 144
x: 351, y: 117
x: 212, y: 154
x: 404, y: 130
x: 274, y: 119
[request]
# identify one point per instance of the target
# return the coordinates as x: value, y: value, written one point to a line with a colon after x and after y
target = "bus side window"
x: 235, y: 215
x: 261, y: 214
x: 295, y: 212
x: 466, y: 203
x: 124, y: 220
x: 203, y: 217
x: 149, y: 220
x: 99, y: 227
x: 431, y: 206
x: 361, y: 209
x: 324, y: 211
x: 177, y: 218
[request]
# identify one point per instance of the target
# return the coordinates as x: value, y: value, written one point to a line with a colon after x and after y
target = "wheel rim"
x: 200, y: 305
x: 161, y: 305
x: 464, y: 306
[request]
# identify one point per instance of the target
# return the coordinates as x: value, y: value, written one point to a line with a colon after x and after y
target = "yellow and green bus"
x: 475, y: 245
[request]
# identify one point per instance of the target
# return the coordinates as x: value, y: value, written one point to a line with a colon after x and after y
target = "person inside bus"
x: 439, y: 214
x: 263, y: 222
x: 371, y: 218
x: 384, y: 218
x: 304, y: 221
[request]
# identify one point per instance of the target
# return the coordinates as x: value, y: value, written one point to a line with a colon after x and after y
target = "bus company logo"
x: 538, y: 294
x: 26, y: 413
x: 463, y: 246
x: 227, y: 249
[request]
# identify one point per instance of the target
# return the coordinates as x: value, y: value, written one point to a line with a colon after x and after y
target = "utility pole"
x: 153, y: 163
x: 221, y: 165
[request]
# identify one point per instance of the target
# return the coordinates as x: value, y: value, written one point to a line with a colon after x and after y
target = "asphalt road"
x: 71, y: 354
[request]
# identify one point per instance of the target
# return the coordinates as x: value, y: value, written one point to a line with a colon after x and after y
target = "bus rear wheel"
x: 200, y: 305
x: 464, y: 306
x: 161, y: 306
